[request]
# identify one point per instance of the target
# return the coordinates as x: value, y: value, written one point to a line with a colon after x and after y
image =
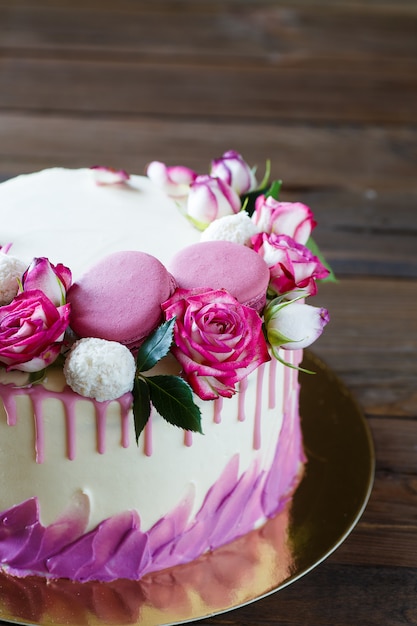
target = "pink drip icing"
x: 218, y: 405
x: 10, y: 406
x: 70, y: 423
x: 39, y: 394
x: 188, y: 438
x: 272, y: 396
x: 39, y: 428
x: 125, y: 403
x: 258, y: 408
x: 101, y: 410
x: 297, y: 358
x: 5, y: 249
x: 147, y: 431
x: 288, y: 379
x: 243, y: 385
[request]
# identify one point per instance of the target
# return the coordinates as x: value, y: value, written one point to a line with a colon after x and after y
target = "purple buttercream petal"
x: 20, y: 534
x: 220, y: 490
x: 170, y: 526
x: 131, y: 557
x: 18, y: 517
x: 163, y: 535
x: 239, y: 512
x: 66, y: 529
x: 283, y: 473
x: 194, y: 541
x: 89, y: 557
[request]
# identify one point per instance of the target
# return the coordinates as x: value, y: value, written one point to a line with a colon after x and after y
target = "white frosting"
x: 66, y: 216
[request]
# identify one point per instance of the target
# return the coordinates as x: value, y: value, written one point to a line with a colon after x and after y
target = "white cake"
x: 80, y: 496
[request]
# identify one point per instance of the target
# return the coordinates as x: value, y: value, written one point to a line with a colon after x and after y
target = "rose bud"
x: 209, y: 199
x: 233, y: 170
x: 293, y: 325
x: 108, y: 175
x: 174, y: 180
x: 53, y: 280
x: 284, y: 218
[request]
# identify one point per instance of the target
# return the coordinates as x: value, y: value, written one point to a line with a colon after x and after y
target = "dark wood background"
x: 327, y: 91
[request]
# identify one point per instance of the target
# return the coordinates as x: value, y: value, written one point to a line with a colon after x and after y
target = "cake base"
x: 324, y: 510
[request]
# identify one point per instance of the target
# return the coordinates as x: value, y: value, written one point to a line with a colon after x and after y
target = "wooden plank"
x: 246, y: 30
x: 395, y: 441
x: 344, y: 93
x: 334, y: 595
x: 393, y: 499
x: 310, y: 159
x: 251, y: 62
x: 386, y: 535
x: 371, y: 341
x: 380, y: 545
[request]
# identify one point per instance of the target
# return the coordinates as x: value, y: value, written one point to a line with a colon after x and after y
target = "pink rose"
x: 31, y: 331
x: 218, y: 341
x: 53, y: 280
x: 234, y: 171
x: 293, y: 268
x: 209, y: 199
x: 175, y: 180
x: 284, y: 218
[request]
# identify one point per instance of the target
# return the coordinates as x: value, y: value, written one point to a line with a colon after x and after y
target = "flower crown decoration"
x: 216, y: 340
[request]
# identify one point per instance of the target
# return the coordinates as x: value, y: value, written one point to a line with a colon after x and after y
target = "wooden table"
x: 327, y: 91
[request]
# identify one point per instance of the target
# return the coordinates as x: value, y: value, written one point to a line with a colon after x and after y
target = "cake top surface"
x: 66, y: 216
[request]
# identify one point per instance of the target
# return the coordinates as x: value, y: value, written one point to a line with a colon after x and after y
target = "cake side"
x: 172, y: 499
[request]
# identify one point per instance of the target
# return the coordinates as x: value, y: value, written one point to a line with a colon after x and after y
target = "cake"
x: 151, y: 332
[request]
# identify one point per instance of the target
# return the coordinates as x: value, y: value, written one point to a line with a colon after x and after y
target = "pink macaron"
x: 119, y: 298
x: 223, y: 265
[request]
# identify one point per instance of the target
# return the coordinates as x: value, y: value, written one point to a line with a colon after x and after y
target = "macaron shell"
x: 119, y: 298
x: 223, y: 265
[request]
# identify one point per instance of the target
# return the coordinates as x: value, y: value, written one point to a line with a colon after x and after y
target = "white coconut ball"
x: 100, y: 369
x: 237, y: 228
x: 11, y: 270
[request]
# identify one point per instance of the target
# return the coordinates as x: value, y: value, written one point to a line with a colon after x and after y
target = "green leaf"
x: 37, y: 377
x: 155, y: 346
x: 275, y: 352
x: 196, y: 223
x: 249, y: 199
x: 173, y: 399
x: 267, y: 174
x: 141, y: 405
x: 313, y: 247
x: 274, y: 189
